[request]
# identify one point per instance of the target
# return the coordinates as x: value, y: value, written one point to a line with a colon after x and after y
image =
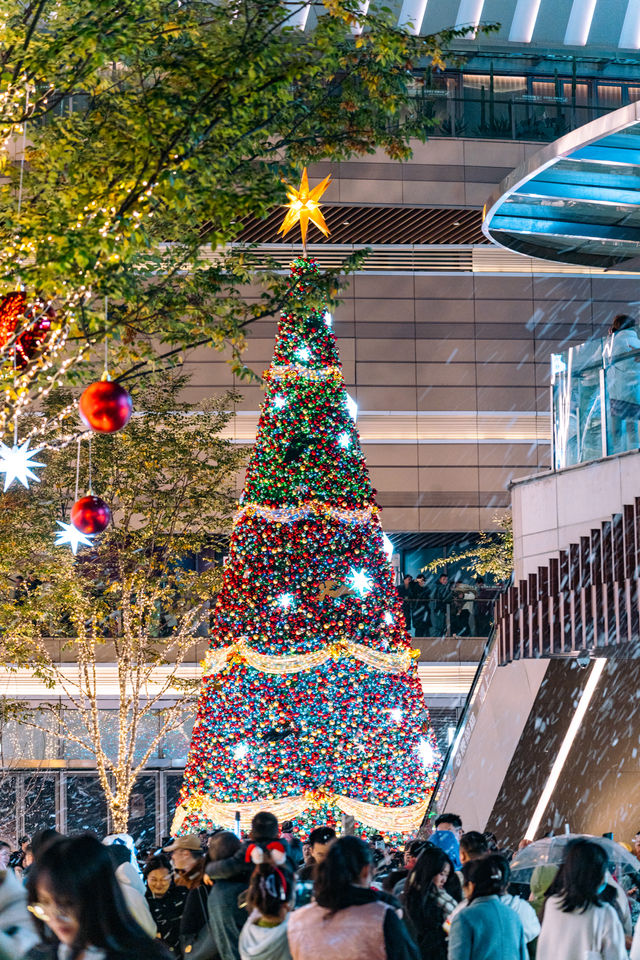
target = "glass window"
x: 39, y: 803
x: 142, y: 813
x: 633, y: 93
x: 544, y: 89
x: 86, y: 805
x: 8, y: 807
x: 609, y: 95
x: 581, y: 92
x: 174, y: 785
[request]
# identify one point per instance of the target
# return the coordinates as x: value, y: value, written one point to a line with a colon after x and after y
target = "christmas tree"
x: 311, y: 705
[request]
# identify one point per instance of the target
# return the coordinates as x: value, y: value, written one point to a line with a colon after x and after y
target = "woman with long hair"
x: 80, y: 909
x: 487, y: 929
x: 577, y: 922
x: 427, y: 903
x: 348, y: 920
x: 269, y: 899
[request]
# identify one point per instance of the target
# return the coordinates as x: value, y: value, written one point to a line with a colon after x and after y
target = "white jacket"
x: 132, y: 887
x: 571, y: 936
x: 17, y: 932
x: 263, y: 943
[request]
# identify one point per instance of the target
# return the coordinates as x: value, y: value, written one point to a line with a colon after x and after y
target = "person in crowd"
x: 42, y: 838
x: 487, y: 929
x: 442, y: 596
x: 412, y: 851
x: 264, y: 832
x: 27, y: 861
x: 420, y: 614
x: 463, y: 610
x: 485, y: 597
x: 622, y: 379
x: 348, y: 919
x: 17, y: 931
x: 18, y: 855
x: 166, y: 900
x: 450, y: 821
x: 320, y: 839
x: 189, y: 862
x: 132, y: 886
x: 473, y: 846
x: 447, y: 840
x: 404, y: 592
x: 294, y: 843
x: 79, y: 907
x: 577, y: 923
x: 5, y: 854
x: 269, y: 899
x: 226, y: 917
x: 541, y: 879
x: 427, y: 904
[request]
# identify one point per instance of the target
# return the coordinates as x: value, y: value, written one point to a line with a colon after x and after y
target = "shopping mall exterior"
x: 446, y: 341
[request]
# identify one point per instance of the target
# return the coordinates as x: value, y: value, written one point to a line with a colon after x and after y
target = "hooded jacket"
x: 17, y: 932
x: 264, y: 943
x: 133, y: 891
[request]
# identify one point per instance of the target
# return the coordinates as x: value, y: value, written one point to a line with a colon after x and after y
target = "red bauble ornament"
x: 90, y: 514
x: 105, y: 406
x: 13, y: 311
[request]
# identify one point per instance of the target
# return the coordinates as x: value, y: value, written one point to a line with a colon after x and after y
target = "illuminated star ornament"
x: 303, y: 206
x: 360, y: 581
x: 71, y: 535
x: 16, y: 463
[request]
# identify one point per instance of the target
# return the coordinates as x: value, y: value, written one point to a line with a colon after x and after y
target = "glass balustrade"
x: 595, y: 398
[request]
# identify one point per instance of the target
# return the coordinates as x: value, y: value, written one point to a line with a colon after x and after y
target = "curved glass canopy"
x: 577, y: 200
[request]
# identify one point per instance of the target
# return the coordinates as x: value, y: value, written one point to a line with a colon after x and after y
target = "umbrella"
x: 550, y: 851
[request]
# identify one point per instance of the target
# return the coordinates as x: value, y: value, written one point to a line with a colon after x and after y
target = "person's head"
x: 320, y: 841
x: 43, y: 838
x: 443, y: 578
x: 450, y: 821
x: 157, y: 873
x: 580, y: 880
x: 73, y: 893
x: 24, y: 842
x: 480, y: 581
x: 223, y: 844
x: 287, y: 826
x: 186, y: 858
x: 622, y: 322
x: 421, y: 579
x: 432, y: 868
x: 264, y: 826
x: 487, y: 876
x: 348, y: 863
x: 492, y: 841
x: 412, y: 851
x: 5, y: 853
x: 472, y: 846
x: 271, y: 891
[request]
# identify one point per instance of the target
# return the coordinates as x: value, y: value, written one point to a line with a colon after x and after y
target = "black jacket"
x: 167, y: 912
x: 147, y: 949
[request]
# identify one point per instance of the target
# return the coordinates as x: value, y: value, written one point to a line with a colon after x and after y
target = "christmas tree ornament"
x: 17, y: 463
x: 90, y: 514
x: 105, y: 406
x: 304, y: 206
x: 68, y: 534
x: 36, y: 321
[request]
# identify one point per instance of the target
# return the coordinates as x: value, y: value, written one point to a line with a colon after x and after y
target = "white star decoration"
x: 361, y: 581
x: 16, y: 463
x: 71, y: 535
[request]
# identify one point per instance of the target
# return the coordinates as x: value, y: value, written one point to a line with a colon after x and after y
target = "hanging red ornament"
x: 105, y: 406
x: 13, y: 312
x: 90, y: 514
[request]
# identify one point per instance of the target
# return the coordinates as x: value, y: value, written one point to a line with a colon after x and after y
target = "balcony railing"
x: 460, y: 616
x: 595, y: 399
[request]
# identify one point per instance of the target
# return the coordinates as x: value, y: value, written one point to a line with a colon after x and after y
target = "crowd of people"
x: 273, y: 896
x: 442, y: 607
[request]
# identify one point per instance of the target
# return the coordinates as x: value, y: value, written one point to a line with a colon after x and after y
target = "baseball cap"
x: 189, y: 842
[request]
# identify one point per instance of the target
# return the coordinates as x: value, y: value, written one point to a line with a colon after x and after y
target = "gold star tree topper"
x: 303, y: 206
